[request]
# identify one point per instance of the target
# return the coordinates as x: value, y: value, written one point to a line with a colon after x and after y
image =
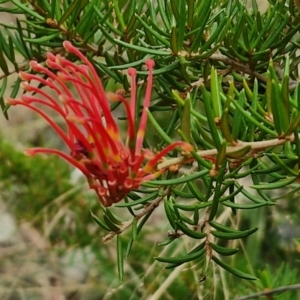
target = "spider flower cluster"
x: 112, y: 167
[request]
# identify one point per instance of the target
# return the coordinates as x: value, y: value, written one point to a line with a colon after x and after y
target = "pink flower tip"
x: 24, y: 75
x: 36, y: 66
x: 51, y: 63
x: 150, y: 63
x: 26, y: 87
x: 50, y: 56
x: 68, y: 46
x: 131, y: 71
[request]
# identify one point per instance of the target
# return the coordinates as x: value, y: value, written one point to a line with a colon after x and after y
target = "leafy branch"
x: 240, y: 151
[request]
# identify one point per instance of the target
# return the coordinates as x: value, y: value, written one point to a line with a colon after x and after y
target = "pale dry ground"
x: 262, y: 4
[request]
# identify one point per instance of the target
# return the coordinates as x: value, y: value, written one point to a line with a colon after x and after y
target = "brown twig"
x: 245, y: 68
x: 271, y: 292
x: 255, y: 148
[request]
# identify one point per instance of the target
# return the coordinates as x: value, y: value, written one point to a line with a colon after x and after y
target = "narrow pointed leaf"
x: 110, y: 224
x: 181, y: 259
x: 120, y: 258
x: 233, y: 235
x: 274, y: 185
x: 233, y: 270
x: 174, y: 46
x: 178, y: 180
x: 186, y: 119
x: 99, y: 222
x: 222, y: 250
x: 221, y: 156
x: 211, y: 118
x: 238, y: 154
x: 3, y: 64
x: 2, y: 91
x: 189, y: 232
x: 27, y: 10
x: 142, y: 49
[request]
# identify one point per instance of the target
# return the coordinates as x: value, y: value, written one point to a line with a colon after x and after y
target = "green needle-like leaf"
x: 142, y: 49
x: 293, y: 126
x: 274, y: 185
x: 180, y: 180
x: 42, y: 39
x: 186, y: 119
x: 233, y: 270
x: 142, y: 200
x: 158, y: 128
x: 120, y: 258
x: 174, y: 46
x: 239, y: 154
x: 134, y: 228
x: 110, y: 224
x: 2, y: 90
x: 99, y: 222
x: 3, y: 64
x: 27, y: 10
x: 181, y: 259
x: 222, y: 250
x: 224, y: 126
x: 119, y: 15
x: 74, y: 8
x: 234, y: 205
x: 153, y: 32
x: 221, y: 156
x: 215, y: 93
x: 211, y: 118
x: 195, y: 191
x: 164, y: 13
x: 284, y: 166
x: 191, y: 233
x: 233, y: 235
x: 200, y: 21
x: 190, y: 14
x: 170, y: 214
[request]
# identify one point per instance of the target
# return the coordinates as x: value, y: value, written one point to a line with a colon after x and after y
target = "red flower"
x: 113, y: 168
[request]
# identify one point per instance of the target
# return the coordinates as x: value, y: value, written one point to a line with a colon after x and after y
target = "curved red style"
x: 113, y: 167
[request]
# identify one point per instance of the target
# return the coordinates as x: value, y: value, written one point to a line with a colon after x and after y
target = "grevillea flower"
x: 113, y: 167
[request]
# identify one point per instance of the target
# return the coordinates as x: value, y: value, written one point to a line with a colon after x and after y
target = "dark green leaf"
x: 120, y: 258
x: 233, y: 235
x: 233, y: 270
x: 181, y: 259
x: 27, y: 10
x: 99, y: 222
x: 3, y: 64
x: 222, y: 250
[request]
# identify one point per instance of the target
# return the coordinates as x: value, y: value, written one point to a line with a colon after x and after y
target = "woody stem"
x: 255, y: 147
